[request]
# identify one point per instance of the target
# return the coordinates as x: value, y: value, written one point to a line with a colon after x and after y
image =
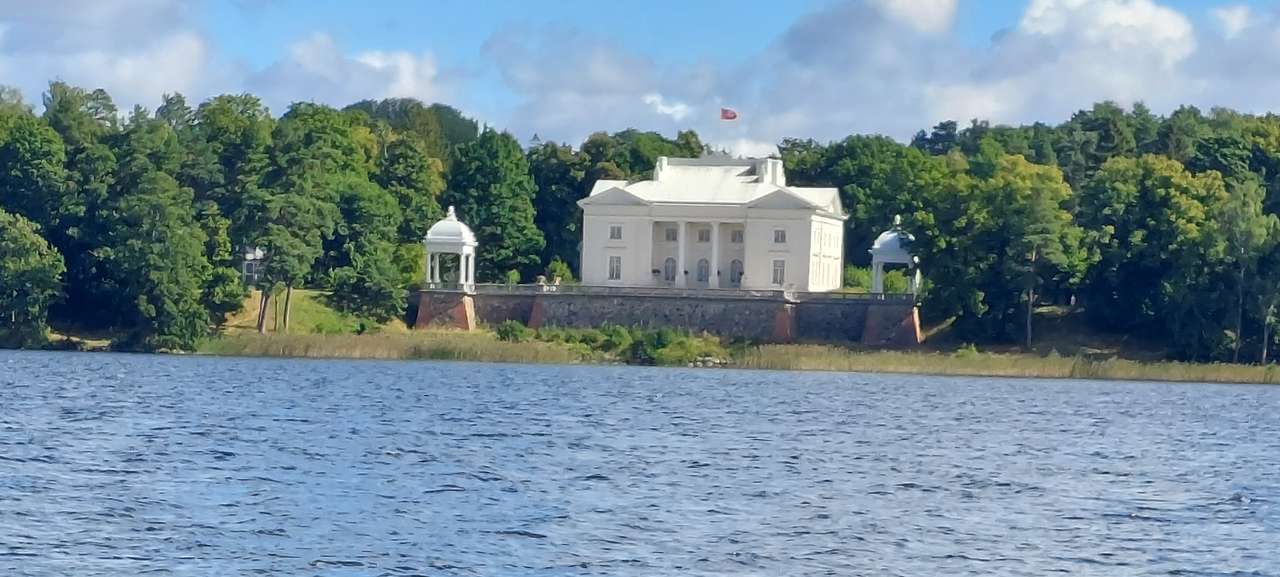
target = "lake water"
x: 154, y: 465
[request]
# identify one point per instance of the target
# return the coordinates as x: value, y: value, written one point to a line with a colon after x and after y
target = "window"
x: 615, y: 232
x: 779, y: 272
x: 671, y: 234
x: 735, y: 237
x: 735, y: 273
x: 669, y: 270
x: 780, y: 236
x: 704, y: 271
x: 704, y: 235
x: 615, y: 268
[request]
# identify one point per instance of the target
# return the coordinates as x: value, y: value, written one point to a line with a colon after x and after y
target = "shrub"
x: 513, y: 331
x: 558, y: 268
x: 513, y: 277
x: 330, y: 327
x: 616, y: 338
x: 857, y: 277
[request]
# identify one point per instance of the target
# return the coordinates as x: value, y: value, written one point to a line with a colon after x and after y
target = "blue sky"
x: 564, y: 68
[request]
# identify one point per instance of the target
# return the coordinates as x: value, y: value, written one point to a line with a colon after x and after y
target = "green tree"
x: 416, y: 181
x: 237, y: 130
x: 314, y: 151
x: 493, y: 192
x: 1014, y: 236
x: 32, y: 173
x: 560, y: 175
x: 1150, y: 223
x: 1246, y: 231
x: 158, y: 271
x: 30, y: 281
x: 366, y: 280
x: 86, y: 122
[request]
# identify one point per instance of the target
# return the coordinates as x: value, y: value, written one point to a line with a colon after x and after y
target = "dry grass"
x: 968, y: 363
x: 434, y: 345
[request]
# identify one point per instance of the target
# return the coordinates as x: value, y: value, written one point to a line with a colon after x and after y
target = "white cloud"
x: 317, y: 69
x: 748, y: 148
x: 1233, y: 19
x: 931, y: 16
x: 135, y: 49
x: 676, y: 110
x: 852, y: 66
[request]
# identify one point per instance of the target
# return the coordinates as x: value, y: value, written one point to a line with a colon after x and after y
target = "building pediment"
x: 782, y: 199
x: 613, y: 197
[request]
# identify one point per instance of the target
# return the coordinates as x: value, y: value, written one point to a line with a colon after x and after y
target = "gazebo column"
x: 471, y: 271
x: 427, y: 275
x: 877, y: 276
x: 713, y: 279
x: 435, y: 268
x: 682, y: 278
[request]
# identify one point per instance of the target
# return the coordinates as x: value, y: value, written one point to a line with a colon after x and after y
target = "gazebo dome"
x: 892, y: 245
x: 451, y: 231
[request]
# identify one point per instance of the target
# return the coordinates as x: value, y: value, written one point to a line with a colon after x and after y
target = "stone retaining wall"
x: 872, y: 323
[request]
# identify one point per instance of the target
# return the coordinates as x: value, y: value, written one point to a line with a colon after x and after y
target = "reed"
x: 433, y: 345
x: 972, y: 363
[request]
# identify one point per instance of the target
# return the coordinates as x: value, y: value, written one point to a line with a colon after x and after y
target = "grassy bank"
x: 972, y: 363
x: 423, y: 345
x: 317, y: 331
x: 485, y: 346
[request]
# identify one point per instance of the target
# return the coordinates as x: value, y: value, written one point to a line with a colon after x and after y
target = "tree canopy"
x: 1164, y: 226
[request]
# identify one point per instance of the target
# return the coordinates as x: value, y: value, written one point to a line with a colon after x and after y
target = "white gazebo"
x: 451, y: 236
x: 892, y: 247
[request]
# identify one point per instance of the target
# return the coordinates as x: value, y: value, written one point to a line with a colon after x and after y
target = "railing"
x: 674, y: 292
x: 449, y: 286
x: 862, y: 297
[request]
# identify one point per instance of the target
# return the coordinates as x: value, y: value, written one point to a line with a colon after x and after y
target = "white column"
x: 427, y: 277
x: 877, y: 276
x: 646, y: 272
x: 681, y: 277
x: 714, y: 278
x: 435, y: 268
x: 470, y: 276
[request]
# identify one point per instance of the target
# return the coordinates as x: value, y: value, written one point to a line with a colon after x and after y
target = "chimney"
x: 770, y: 171
x: 659, y: 167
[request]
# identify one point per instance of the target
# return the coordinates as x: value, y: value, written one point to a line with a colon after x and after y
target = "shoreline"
x: 484, y: 347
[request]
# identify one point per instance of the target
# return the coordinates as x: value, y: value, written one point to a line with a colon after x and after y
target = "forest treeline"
x: 137, y: 223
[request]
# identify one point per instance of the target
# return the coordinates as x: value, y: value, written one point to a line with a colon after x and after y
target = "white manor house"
x: 713, y: 223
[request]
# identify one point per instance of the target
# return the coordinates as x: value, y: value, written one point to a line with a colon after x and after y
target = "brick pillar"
x: 537, y: 314
x: 892, y: 326
x: 449, y: 309
x: 784, y: 324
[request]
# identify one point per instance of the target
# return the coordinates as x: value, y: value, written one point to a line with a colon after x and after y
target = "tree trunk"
x: 288, y: 302
x: 1031, y: 294
x: 1266, y: 332
x: 262, y: 312
x: 1031, y: 303
x: 1235, y: 354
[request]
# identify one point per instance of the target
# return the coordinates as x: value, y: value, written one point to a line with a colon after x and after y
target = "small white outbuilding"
x: 893, y: 247
x: 451, y: 236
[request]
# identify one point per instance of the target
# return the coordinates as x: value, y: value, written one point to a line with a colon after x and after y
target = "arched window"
x: 669, y: 270
x: 735, y: 273
x: 704, y: 271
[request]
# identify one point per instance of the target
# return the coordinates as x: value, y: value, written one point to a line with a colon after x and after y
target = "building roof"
x: 450, y: 231
x: 753, y: 183
x: 893, y: 245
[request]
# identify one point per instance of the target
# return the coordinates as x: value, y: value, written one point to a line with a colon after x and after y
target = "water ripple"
x: 187, y: 466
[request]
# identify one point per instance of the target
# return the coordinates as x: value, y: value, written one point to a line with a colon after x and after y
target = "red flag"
x: 728, y: 114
